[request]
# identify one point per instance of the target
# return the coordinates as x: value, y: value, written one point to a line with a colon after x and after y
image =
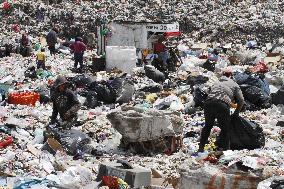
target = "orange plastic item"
x: 6, y: 142
x: 23, y: 98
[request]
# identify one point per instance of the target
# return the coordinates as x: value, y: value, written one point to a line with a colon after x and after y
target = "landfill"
x: 139, y: 125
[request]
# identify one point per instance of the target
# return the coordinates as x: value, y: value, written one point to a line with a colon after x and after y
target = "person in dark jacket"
x: 222, y: 96
x: 51, y: 40
x: 65, y: 103
x: 25, y: 49
x: 78, y: 48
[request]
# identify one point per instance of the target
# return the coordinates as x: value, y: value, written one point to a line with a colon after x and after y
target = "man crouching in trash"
x: 65, y: 103
x: 222, y: 96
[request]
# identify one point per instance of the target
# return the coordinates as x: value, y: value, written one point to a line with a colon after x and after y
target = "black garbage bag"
x: 151, y: 88
x: 31, y: 73
x: 91, y: 100
x: 199, y: 97
x: 196, y: 80
x: 82, y: 80
x: 154, y: 74
x: 105, y: 92
x: 244, y: 134
x: 126, y: 93
x: 72, y: 140
x: 117, y: 83
x: 277, y: 184
x: 278, y: 97
x: 255, y: 96
x: 250, y: 107
x: 209, y: 65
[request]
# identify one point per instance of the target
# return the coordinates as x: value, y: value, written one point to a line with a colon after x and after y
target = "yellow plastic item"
x: 151, y: 97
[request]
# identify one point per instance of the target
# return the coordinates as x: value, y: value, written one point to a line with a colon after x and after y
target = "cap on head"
x: 60, y: 80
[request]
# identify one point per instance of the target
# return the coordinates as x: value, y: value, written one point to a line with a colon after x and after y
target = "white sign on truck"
x: 163, y: 27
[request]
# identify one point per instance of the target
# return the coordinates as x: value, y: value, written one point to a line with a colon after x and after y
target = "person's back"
x: 51, y: 37
x: 225, y: 89
x: 41, y: 56
x: 25, y: 40
x: 78, y: 47
x: 159, y: 47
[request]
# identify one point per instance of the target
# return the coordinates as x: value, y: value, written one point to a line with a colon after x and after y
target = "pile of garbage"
x: 222, y: 21
x: 153, y: 126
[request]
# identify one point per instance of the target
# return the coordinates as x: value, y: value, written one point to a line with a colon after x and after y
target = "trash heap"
x: 222, y: 21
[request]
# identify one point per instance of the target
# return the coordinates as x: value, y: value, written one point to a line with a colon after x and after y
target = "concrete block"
x: 150, y: 125
x: 136, y: 177
x: 209, y: 177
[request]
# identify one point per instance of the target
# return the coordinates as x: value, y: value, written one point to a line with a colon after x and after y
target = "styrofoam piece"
x: 121, y: 57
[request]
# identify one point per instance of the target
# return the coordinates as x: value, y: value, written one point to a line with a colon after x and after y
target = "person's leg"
x: 38, y: 64
x: 76, y: 61
x: 81, y: 60
x: 209, y: 122
x: 224, y: 120
x: 50, y: 48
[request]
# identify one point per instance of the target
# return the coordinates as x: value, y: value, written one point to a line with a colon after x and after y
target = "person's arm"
x: 54, y: 114
x: 84, y: 46
x: 76, y: 105
x: 239, y: 100
x: 71, y: 47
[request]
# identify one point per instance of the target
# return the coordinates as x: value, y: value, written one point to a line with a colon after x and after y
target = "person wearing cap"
x: 65, y: 103
x: 161, y: 50
x: 78, y: 48
x: 223, y: 94
x: 51, y: 40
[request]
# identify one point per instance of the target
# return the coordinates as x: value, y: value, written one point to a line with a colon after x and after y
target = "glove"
x: 67, y: 115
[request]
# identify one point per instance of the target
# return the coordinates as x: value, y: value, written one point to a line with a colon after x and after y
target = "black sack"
x: 91, y: 100
x: 196, y: 80
x: 72, y: 140
x: 209, y: 65
x: 82, y: 81
x: 255, y: 96
x: 31, y: 73
x: 199, y: 97
x: 278, y: 98
x: 106, y: 93
x: 245, y: 134
x: 154, y: 74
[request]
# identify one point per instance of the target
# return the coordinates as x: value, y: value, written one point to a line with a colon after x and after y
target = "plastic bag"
x: 91, y: 100
x: 196, y: 80
x: 72, y: 140
x: 278, y: 98
x: 105, y: 92
x: 31, y: 73
x: 199, y: 97
x: 154, y: 74
x: 208, y: 65
x: 126, y: 93
x: 245, y: 134
x: 255, y: 96
x: 82, y: 80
